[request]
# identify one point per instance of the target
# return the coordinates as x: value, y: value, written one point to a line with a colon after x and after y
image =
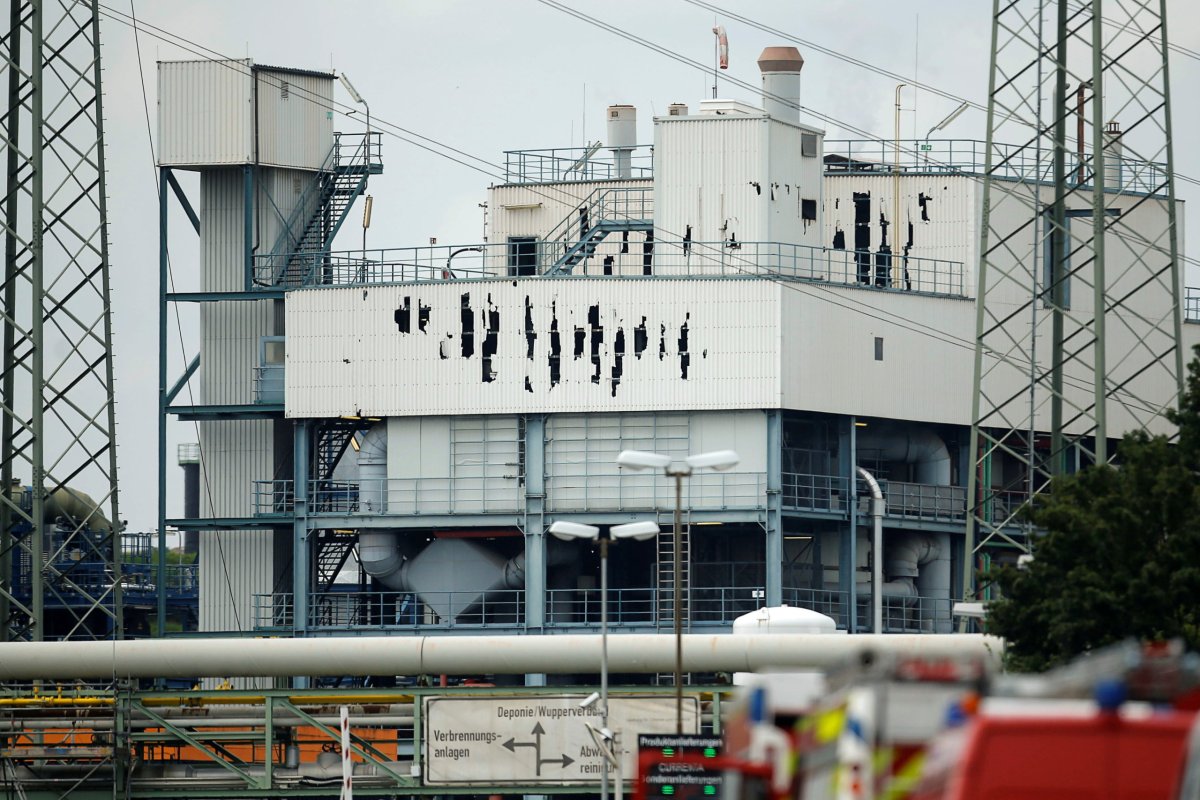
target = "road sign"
x: 675, y: 768
x: 532, y: 740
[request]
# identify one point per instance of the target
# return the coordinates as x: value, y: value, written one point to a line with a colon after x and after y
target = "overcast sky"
x: 484, y: 76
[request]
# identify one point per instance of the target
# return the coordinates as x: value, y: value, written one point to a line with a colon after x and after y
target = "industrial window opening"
x: 879, y: 348
x: 808, y: 145
x: 522, y: 255
x: 808, y: 210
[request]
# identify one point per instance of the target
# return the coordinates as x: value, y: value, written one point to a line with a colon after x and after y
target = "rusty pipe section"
x: 464, y: 655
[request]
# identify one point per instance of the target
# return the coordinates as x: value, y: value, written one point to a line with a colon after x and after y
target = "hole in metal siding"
x: 467, y: 316
x: 685, y: 358
x: 422, y: 316
x: 490, y: 340
x: 555, y: 347
x: 403, y: 316
x: 530, y: 335
x: 618, y: 366
x: 639, y: 339
x: 597, y: 340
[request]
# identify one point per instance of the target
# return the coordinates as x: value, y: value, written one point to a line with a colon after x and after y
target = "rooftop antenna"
x: 720, y: 53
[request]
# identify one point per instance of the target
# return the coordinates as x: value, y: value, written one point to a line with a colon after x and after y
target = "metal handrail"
x: 390, y: 610
x: 633, y: 492
x: 773, y: 260
x: 397, y: 496
x: 969, y: 156
x: 572, y: 165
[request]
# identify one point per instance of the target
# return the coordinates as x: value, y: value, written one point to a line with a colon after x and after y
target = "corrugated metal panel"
x: 943, y: 210
x: 829, y: 362
x: 793, y: 179
x: 205, y: 113
x: 234, y: 564
x: 347, y: 353
x: 295, y: 118
x: 705, y: 173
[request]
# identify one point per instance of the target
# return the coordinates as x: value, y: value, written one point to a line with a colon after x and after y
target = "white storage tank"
x: 790, y: 691
x: 784, y: 619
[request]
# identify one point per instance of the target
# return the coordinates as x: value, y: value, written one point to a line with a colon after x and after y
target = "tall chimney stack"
x: 780, y: 67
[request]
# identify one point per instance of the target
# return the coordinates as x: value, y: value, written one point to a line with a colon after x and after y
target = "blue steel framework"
x: 308, y: 517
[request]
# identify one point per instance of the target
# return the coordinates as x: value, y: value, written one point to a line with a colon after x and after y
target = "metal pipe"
x: 895, y: 276
x: 678, y: 589
x: 604, y: 661
x: 876, y: 552
x: 462, y: 655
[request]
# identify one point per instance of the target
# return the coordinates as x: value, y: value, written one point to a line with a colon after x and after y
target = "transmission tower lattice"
x: 59, y: 541
x: 1078, y: 311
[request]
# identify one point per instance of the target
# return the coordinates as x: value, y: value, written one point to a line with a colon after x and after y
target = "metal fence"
x: 814, y: 492
x: 703, y: 491
x: 969, y: 156
x: 664, y: 257
x: 399, y: 496
x: 368, y: 610
x: 572, y: 164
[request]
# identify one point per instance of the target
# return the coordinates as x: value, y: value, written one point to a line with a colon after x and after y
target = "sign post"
x: 532, y: 740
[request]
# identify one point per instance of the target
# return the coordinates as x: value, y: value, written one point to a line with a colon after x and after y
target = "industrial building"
x: 387, y: 434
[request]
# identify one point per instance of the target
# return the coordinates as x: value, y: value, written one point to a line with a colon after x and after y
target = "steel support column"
x: 773, y: 529
x: 535, y: 523
x: 302, y: 583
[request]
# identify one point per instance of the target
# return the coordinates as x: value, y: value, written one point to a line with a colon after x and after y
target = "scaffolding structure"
x: 1079, y: 298
x: 56, y: 416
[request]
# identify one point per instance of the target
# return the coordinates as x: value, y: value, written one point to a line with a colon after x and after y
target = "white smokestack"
x: 780, y: 67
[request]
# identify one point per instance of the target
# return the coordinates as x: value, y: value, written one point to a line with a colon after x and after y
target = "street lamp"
x: 639, y: 531
x: 641, y: 459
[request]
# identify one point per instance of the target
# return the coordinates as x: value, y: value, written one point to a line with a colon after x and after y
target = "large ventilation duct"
x: 923, y: 562
x: 780, y: 67
x: 921, y: 447
x: 449, y: 575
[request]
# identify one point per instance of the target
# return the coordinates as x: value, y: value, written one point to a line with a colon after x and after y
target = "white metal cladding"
x: 454, y: 465
x: 234, y: 564
x: 734, y: 177
x: 347, y: 353
x: 792, y: 178
x: 295, y: 118
x: 205, y: 113
x: 1126, y: 350
x: 536, y: 209
x: 829, y: 361
x: 943, y: 210
x: 581, y: 452
x: 704, y: 174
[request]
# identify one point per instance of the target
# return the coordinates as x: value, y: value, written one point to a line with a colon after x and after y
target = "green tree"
x: 1120, y: 556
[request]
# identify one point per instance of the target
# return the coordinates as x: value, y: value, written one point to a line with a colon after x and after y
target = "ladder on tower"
x: 666, y: 575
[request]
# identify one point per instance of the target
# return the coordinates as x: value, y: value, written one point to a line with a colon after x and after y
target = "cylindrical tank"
x: 677, y: 110
x: 780, y: 67
x: 622, y: 137
x: 784, y: 619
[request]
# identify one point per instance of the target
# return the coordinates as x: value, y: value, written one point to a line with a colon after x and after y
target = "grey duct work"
x: 923, y: 562
x: 449, y: 575
x: 921, y: 447
x: 72, y: 505
x: 464, y: 655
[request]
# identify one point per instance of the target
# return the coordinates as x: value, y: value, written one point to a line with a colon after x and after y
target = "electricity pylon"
x: 59, y: 540
x: 1078, y: 310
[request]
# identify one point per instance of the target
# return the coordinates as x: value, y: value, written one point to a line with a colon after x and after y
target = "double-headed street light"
x: 639, y: 531
x: 641, y: 459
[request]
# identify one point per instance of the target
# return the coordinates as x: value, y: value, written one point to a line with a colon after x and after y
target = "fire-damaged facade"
x: 739, y: 284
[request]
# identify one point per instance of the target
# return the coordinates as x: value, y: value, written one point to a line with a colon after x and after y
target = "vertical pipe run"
x: 1058, y: 244
x: 850, y: 568
x: 896, y: 191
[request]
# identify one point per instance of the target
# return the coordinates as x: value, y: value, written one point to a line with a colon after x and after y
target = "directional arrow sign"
x: 532, y: 740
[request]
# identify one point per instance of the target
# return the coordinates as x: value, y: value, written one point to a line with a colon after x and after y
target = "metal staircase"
x: 331, y: 548
x: 297, y: 257
x: 602, y: 212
